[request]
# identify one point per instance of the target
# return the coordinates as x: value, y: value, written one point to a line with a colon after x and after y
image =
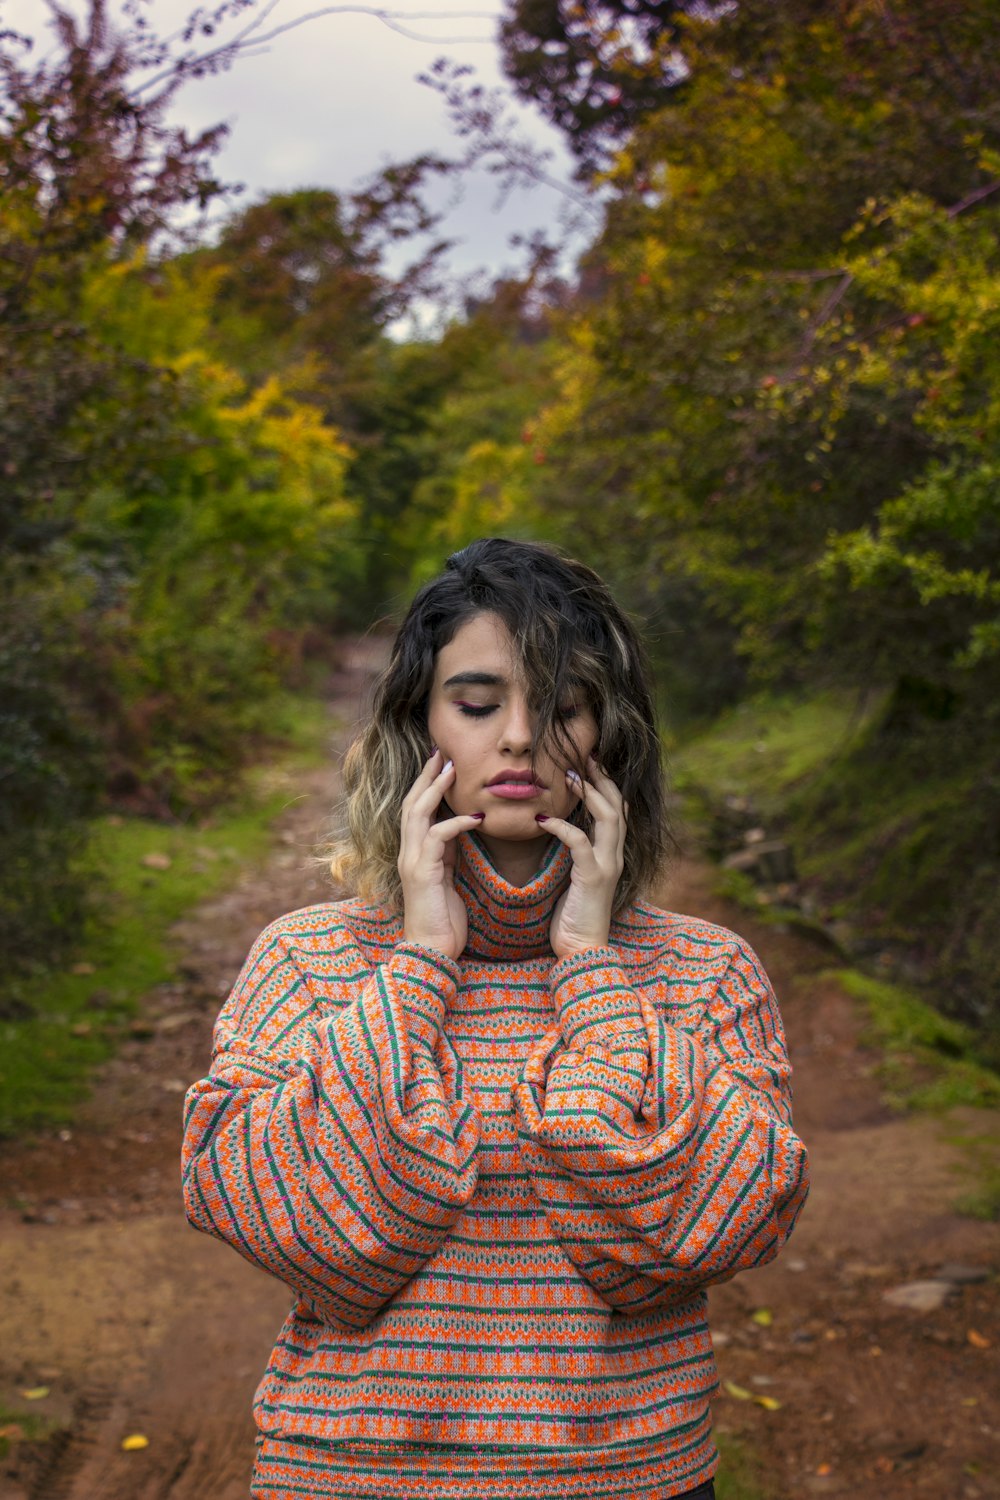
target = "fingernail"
x: 434, y: 750
x: 541, y: 817
x: 447, y: 766
x: 573, y: 775
x: 480, y: 816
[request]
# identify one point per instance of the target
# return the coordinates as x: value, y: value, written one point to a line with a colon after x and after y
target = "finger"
x: 597, y: 804
x: 450, y: 828
x: 430, y: 768
x: 425, y: 800
x: 569, y: 834
x: 600, y: 777
x: 608, y: 816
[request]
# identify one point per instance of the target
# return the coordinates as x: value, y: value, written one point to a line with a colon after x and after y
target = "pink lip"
x: 507, y: 777
x: 515, y: 791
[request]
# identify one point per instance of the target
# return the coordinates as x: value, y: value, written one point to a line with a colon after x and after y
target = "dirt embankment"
x: 139, y: 1326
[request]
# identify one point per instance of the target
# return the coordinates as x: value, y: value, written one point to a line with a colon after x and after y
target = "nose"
x: 516, y: 726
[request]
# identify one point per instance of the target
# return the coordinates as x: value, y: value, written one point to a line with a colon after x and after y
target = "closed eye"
x: 475, y: 710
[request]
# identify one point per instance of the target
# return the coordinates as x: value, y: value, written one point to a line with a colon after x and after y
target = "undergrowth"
x: 62, y: 1021
x: 896, y: 834
x: 928, y: 1061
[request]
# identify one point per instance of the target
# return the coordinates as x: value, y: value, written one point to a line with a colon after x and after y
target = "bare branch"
x: 217, y: 59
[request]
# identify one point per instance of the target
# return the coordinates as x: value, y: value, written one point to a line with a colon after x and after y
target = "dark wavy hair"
x: 570, y: 635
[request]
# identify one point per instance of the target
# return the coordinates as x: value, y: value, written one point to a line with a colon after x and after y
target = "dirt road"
x: 140, y: 1326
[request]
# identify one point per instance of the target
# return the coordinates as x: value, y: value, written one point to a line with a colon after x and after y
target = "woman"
x: 498, y: 1124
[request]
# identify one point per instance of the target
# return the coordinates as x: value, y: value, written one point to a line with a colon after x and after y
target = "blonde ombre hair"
x: 569, y: 634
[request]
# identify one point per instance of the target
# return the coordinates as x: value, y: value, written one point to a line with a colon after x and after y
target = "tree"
x: 595, y: 70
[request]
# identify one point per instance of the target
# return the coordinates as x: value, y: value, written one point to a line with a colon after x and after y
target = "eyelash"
x: 479, y: 711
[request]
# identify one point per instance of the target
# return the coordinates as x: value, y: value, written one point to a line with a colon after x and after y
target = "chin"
x: 512, y: 823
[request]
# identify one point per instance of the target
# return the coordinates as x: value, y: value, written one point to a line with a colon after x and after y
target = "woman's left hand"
x: 582, y: 917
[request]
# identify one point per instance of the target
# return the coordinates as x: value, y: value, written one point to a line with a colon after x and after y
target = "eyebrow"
x: 475, y: 679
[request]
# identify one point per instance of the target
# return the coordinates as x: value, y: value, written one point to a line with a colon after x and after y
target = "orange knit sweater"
x: 497, y: 1188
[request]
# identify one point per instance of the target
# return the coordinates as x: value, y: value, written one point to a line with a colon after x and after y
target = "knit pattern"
x: 497, y: 1188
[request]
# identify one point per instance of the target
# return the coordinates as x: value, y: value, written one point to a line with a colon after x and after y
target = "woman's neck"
x: 516, y: 860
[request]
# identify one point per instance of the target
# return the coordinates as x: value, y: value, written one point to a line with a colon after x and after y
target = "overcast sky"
x: 335, y: 99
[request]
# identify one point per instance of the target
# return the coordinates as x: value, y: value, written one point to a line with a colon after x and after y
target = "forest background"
x: 765, y: 403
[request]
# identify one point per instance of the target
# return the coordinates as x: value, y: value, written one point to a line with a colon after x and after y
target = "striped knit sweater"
x: 497, y: 1188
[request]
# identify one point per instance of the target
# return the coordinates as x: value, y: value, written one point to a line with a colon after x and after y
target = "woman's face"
x: 478, y: 717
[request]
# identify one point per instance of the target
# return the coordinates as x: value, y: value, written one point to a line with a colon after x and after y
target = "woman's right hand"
x: 434, y: 913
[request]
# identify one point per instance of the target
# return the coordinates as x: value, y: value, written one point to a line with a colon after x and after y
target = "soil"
x: 139, y: 1326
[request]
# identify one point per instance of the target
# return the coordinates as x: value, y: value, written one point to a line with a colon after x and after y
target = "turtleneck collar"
x: 509, y: 921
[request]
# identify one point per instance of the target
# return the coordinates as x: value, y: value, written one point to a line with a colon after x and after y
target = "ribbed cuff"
x: 594, y: 1000
x: 425, y: 981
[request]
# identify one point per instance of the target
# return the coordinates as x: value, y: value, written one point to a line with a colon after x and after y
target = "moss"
x: 895, y: 833
x: 68, y: 1021
x: 740, y: 1475
x: 768, y: 745
x: 17, y: 1425
x: 929, y: 1061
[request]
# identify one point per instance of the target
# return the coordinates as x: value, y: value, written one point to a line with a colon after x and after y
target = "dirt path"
x: 138, y: 1325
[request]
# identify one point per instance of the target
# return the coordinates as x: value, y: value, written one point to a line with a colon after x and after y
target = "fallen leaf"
x: 875, y: 1351
x: 134, y: 1442
x: 13, y: 1432
x: 823, y: 1470
x: 970, y: 1401
x: 35, y: 1392
x: 763, y: 1317
x: 884, y: 1465
x: 978, y: 1340
x: 83, y: 968
x: 768, y: 1403
x: 740, y: 1392
x: 156, y: 861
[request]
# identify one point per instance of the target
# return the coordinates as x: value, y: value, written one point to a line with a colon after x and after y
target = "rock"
x: 156, y: 861
x: 776, y: 862
x: 960, y: 1275
x: 920, y: 1296
x: 770, y: 861
x: 744, y: 860
x: 177, y: 1019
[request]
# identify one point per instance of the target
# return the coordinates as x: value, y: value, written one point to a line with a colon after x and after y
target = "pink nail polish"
x: 541, y: 817
x: 480, y: 816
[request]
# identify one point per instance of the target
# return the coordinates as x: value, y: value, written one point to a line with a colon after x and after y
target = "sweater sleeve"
x: 665, y: 1160
x: 329, y: 1149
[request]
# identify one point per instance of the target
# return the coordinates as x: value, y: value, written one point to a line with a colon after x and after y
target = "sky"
x: 335, y: 99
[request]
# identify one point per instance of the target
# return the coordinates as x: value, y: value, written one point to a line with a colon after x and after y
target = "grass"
x: 740, y: 1476
x: 928, y: 1060
x: 19, y: 1426
x: 768, y: 745
x: 73, y: 1017
x: 981, y: 1152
